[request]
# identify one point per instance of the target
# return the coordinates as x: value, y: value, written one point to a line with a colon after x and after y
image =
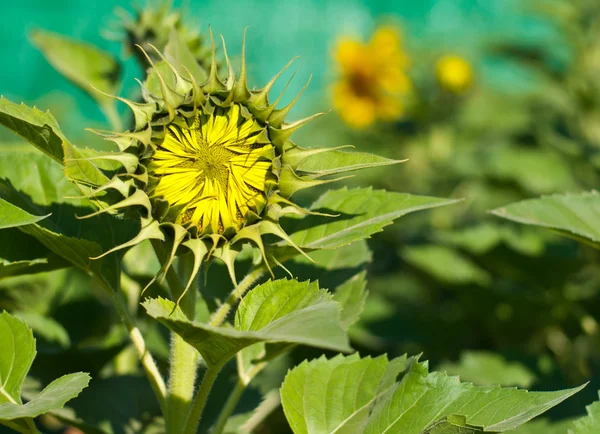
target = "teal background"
x: 277, y: 31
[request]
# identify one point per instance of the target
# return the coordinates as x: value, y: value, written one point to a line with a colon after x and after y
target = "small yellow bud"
x: 454, y: 73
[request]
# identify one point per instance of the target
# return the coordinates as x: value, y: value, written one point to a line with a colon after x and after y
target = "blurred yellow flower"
x: 454, y: 73
x: 373, y: 78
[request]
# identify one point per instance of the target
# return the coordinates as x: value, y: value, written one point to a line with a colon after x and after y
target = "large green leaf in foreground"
x: 351, y: 296
x: 576, y: 215
x: 281, y: 311
x: 354, y: 395
x: 17, y: 354
x: 361, y: 213
x: 53, y: 397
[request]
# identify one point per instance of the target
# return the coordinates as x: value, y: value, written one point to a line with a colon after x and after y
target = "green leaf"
x: 589, y: 424
x: 45, y: 327
x: 126, y: 400
x: 350, y: 394
x: 330, y: 267
x: 43, y: 182
x: 362, y: 212
x: 12, y: 216
x: 84, y: 172
x: 482, y: 238
x: 18, y: 268
x: 352, y: 295
x: 303, y: 168
x: 543, y: 426
x: 476, y: 239
x: 453, y: 424
x: 42, y: 131
x: 351, y: 256
x: 53, y: 397
x: 16, y: 357
x: 280, y: 311
x: 336, y: 395
x: 446, y: 264
x: 576, y: 215
x: 40, y: 178
x: 535, y: 170
x: 85, y: 65
x: 38, y: 186
x: 325, y: 162
x: 486, y: 369
x: 77, y: 251
x: 493, y: 408
x: 38, y: 128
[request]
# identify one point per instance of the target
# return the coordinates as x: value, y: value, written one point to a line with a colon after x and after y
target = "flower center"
x: 214, y: 171
x: 362, y: 83
x: 213, y: 161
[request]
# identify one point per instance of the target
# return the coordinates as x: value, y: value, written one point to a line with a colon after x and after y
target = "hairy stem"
x: 221, y: 314
x: 126, y: 362
x: 212, y: 371
x: 229, y: 407
x: 148, y: 363
x: 184, y: 357
x: 208, y: 380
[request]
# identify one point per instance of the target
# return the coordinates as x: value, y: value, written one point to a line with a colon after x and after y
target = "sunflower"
x: 209, y: 165
x: 372, y: 78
